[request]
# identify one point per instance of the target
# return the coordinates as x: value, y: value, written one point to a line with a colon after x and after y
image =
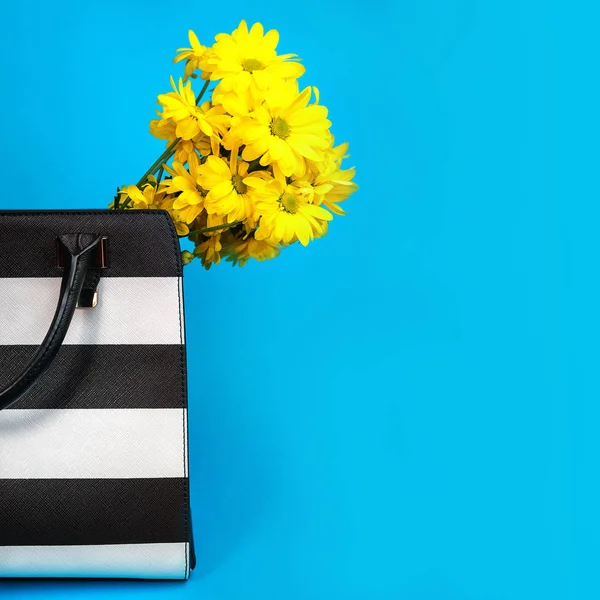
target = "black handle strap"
x: 78, y: 247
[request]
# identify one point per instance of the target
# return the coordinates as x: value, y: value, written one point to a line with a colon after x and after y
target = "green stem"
x: 157, y: 164
x: 204, y: 88
x: 215, y: 228
x: 168, y: 153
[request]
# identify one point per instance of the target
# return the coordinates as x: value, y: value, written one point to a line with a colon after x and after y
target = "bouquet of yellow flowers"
x: 252, y: 169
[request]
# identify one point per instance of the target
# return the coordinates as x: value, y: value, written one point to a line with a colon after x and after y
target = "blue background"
x: 409, y: 408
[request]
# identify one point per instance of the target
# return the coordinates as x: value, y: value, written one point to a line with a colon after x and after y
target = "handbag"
x: 93, y: 399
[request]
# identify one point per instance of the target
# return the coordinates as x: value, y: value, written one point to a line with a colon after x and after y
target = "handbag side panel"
x: 94, y: 458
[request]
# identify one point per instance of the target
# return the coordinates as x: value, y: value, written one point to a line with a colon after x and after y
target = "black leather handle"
x: 78, y: 248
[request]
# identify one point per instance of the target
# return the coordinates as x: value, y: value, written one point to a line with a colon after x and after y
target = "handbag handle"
x: 78, y: 251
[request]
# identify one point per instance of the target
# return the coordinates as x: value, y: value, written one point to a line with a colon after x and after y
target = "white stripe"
x: 130, y: 310
x: 148, y: 561
x: 91, y: 443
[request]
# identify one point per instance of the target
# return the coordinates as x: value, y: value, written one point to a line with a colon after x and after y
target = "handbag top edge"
x: 78, y: 211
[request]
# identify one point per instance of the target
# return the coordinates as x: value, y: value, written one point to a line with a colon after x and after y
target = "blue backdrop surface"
x: 409, y: 408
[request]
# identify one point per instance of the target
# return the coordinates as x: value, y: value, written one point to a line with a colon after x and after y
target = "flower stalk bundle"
x: 250, y: 169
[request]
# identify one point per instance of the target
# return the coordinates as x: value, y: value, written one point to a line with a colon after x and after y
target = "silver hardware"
x: 88, y: 298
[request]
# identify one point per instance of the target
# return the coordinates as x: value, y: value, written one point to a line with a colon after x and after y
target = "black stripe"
x: 106, y: 376
x: 60, y: 512
x: 141, y: 243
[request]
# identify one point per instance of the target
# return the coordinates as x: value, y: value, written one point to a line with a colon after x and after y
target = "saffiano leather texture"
x: 94, y: 475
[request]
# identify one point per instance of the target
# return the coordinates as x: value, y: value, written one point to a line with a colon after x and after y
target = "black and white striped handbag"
x: 93, y: 400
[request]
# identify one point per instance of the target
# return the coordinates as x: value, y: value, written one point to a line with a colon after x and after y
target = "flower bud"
x: 186, y: 257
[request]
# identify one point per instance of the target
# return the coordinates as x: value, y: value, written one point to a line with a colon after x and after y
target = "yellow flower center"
x: 289, y: 202
x: 280, y: 128
x: 251, y: 64
x: 238, y: 184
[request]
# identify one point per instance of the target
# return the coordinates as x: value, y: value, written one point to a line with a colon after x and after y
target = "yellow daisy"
x: 286, y: 215
x: 341, y: 187
x: 248, y: 58
x: 208, y: 245
x: 179, y: 217
x: 331, y: 183
x: 209, y: 251
x: 230, y: 188
x: 189, y: 118
x: 285, y: 130
x: 165, y: 130
x: 241, y: 249
x: 189, y: 200
x: 192, y: 56
x: 240, y: 104
x: 152, y: 196
x: 140, y: 199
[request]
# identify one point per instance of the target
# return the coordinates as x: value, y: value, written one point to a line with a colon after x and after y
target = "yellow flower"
x: 341, y: 187
x: 332, y: 184
x: 141, y: 199
x: 209, y: 251
x: 215, y: 223
x: 179, y: 217
x: 253, y: 169
x: 240, y: 249
x: 190, y: 198
x: 152, y: 196
x: 165, y: 130
x: 230, y: 188
x: 248, y: 59
x: 189, y: 118
x: 285, y: 130
x: 240, y: 104
x: 286, y: 215
x: 208, y: 244
x: 192, y: 56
